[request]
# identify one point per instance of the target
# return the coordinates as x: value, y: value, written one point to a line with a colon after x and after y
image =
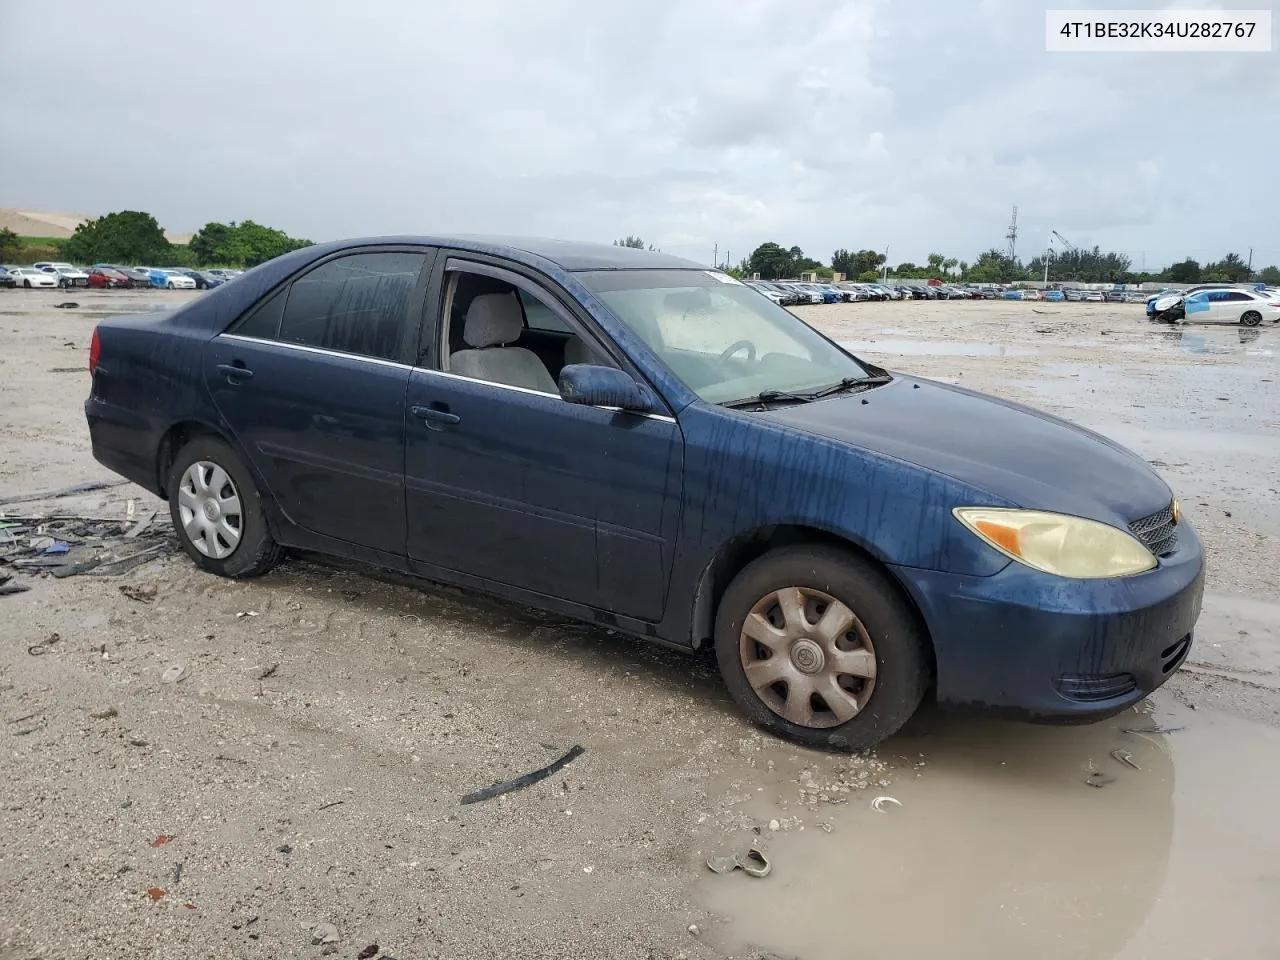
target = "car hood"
x: 1014, y: 452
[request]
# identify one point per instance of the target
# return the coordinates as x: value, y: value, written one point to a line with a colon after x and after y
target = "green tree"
x: 1187, y: 271
x: 772, y: 262
x: 855, y: 264
x: 630, y: 241
x: 994, y: 266
x: 129, y: 236
x: 1270, y: 276
x: 1086, y: 266
x: 10, y: 244
x: 244, y: 244
x: 936, y: 265
x: 1230, y: 269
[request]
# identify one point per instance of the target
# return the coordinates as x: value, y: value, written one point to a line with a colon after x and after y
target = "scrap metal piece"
x: 528, y: 780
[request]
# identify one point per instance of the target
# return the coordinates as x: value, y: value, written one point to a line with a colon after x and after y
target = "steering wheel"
x: 740, y: 345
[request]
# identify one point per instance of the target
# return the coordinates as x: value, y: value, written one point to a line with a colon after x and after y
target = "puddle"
x: 1247, y: 340
x: 935, y: 348
x: 1001, y: 851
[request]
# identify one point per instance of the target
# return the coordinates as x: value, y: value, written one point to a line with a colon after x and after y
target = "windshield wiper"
x: 768, y: 396
x: 848, y: 383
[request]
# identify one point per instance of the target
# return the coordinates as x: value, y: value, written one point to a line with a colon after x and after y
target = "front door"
x: 513, y: 484
x: 313, y: 383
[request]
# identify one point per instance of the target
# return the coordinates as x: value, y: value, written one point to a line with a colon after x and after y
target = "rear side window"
x: 263, y: 323
x: 357, y: 304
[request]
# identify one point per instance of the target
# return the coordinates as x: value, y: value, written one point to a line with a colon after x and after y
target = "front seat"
x: 494, y: 320
x: 576, y: 351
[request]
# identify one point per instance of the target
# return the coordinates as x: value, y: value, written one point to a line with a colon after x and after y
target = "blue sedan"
x: 631, y: 439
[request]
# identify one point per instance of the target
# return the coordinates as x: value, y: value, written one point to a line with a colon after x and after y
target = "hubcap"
x: 209, y: 507
x: 808, y: 657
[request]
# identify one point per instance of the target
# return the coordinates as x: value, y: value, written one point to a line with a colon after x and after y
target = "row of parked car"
x: 112, y: 276
x: 794, y: 292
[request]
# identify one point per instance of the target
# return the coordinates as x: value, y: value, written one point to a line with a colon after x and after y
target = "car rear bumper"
x: 121, y: 442
x: 1039, y: 646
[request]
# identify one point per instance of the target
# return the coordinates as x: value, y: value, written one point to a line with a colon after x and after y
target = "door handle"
x: 434, y: 417
x: 234, y: 373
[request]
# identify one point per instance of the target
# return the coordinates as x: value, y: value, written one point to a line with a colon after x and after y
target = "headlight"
x: 1054, y: 543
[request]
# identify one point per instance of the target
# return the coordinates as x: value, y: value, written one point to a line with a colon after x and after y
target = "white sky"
x: 915, y: 124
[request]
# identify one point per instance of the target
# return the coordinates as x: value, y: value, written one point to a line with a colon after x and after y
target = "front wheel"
x: 1251, y: 318
x: 818, y: 645
x: 27, y: 284
x: 217, y: 511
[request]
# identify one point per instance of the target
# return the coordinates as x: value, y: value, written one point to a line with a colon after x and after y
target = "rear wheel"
x: 27, y: 284
x: 217, y: 511
x: 819, y: 646
x: 1251, y: 318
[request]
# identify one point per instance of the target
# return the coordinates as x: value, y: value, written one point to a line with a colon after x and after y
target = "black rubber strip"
x: 528, y: 780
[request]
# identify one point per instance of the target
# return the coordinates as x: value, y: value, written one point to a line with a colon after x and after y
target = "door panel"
x: 576, y: 502
x: 325, y: 431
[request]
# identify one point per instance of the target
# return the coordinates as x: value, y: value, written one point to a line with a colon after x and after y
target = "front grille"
x: 1158, y: 532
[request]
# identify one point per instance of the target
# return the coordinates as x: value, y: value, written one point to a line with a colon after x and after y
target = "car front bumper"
x: 1040, y: 646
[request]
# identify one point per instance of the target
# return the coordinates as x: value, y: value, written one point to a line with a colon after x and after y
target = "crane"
x: 1065, y: 242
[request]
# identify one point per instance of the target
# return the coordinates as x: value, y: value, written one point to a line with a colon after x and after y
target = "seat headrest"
x: 492, y: 319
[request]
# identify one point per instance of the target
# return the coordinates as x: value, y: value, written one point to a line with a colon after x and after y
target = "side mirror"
x: 598, y: 386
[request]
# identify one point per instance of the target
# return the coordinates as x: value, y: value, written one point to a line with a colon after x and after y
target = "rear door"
x: 312, y: 383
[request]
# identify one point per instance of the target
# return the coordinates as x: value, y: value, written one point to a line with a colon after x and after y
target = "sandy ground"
x: 309, y: 767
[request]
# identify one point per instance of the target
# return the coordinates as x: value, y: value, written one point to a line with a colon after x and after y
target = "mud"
x: 310, y: 765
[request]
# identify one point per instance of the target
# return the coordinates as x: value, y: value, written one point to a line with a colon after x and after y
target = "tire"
x: 1251, y: 318
x: 169, y: 285
x: 26, y: 284
x: 212, y: 548
x: 883, y: 642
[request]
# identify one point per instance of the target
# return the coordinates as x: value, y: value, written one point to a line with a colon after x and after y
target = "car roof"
x: 569, y: 255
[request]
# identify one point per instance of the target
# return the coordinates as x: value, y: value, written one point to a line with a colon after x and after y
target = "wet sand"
x: 396, y: 701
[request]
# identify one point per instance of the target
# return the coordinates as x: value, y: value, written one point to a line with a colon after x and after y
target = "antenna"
x: 1012, y: 234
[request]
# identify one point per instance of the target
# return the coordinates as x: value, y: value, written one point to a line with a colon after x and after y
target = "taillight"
x: 95, y: 349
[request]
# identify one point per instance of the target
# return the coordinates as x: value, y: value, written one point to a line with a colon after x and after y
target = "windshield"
x: 723, y: 341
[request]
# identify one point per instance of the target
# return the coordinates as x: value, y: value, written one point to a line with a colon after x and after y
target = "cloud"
x: 813, y: 122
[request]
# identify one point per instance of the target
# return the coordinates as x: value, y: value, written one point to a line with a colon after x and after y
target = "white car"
x: 30, y: 277
x: 1031, y: 295
x: 64, y: 273
x: 177, y: 281
x: 1246, y: 307
x: 1092, y: 296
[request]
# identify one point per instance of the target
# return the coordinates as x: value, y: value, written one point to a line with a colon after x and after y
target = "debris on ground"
x: 7, y: 589
x: 370, y: 951
x: 1098, y: 779
x: 67, y: 545
x: 323, y: 933
x: 174, y: 673
x: 527, y: 780
x: 71, y: 491
x: 161, y: 840
x: 143, y: 593
x: 155, y: 893
x: 41, y: 648
x: 1125, y: 757
x: 879, y: 803
x: 106, y: 714
x: 752, y: 862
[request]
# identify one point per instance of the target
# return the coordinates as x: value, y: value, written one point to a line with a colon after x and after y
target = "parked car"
x: 625, y: 437
x: 1011, y: 295
x: 1055, y: 296
x: 204, y: 280
x: 1073, y: 295
x: 1113, y: 296
x: 171, y: 279
x: 107, y: 278
x: 30, y: 277
x: 1091, y: 296
x: 65, y: 274
x: 6, y: 278
x: 1170, y: 292
x: 140, y: 278
x: 1031, y: 295
x: 766, y: 290
x: 1248, y: 308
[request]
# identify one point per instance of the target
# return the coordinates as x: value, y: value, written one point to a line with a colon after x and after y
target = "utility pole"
x: 1048, y: 253
x: 885, y: 275
x: 1250, y: 276
x: 715, y: 256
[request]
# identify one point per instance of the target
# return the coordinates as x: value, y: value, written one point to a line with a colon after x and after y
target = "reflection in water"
x: 1217, y: 341
x: 1001, y: 851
